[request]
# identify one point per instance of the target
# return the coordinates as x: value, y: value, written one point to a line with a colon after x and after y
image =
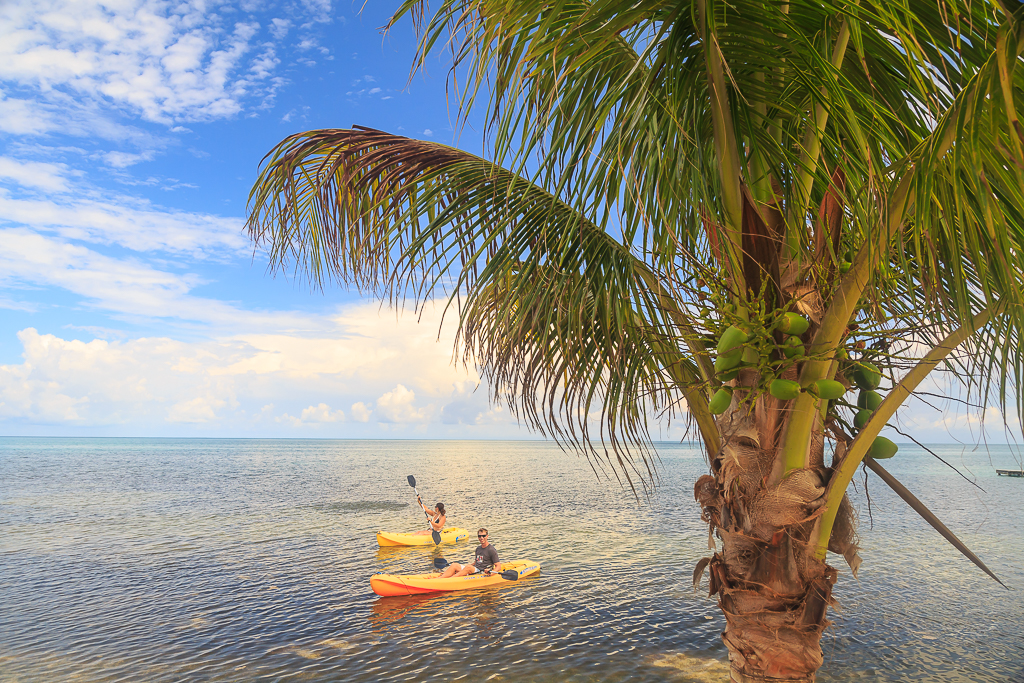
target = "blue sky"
x: 131, y: 301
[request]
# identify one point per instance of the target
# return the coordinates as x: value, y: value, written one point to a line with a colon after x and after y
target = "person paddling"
x: 436, y: 516
x: 486, y: 560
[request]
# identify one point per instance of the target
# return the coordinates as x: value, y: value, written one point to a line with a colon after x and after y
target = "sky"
x: 132, y: 302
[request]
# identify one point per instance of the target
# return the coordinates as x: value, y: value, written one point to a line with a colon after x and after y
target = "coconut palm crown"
x: 773, y: 218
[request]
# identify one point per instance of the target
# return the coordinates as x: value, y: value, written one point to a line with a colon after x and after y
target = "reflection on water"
x: 341, y: 507
x: 168, y: 560
x: 696, y: 669
x: 384, y: 611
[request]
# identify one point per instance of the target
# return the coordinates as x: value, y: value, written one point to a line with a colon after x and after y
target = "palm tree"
x: 735, y: 212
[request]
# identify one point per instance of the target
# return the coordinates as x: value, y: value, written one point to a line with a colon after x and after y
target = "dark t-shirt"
x: 485, y: 557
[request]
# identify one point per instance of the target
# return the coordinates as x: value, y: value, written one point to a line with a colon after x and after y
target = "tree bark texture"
x: 773, y: 592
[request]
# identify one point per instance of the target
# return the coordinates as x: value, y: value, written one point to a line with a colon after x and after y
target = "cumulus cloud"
x: 398, y: 405
x: 391, y: 370
x: 313, y: 415
x: 360, y: 413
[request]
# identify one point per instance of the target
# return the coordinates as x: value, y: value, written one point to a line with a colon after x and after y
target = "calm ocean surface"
x: 238, y: 560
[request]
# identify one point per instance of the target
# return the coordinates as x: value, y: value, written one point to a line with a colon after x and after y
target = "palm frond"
x: 406, y: 219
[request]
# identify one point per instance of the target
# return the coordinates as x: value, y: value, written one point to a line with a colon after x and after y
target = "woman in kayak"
x: 436, y: 516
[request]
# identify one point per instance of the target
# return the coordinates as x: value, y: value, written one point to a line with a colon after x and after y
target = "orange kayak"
x: 452, y: 534
x: 414, y: 584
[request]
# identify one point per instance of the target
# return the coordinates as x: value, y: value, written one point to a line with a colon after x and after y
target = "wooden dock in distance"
x: 1011, y: 473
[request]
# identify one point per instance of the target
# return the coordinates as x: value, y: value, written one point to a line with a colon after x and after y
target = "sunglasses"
x: 481, y: 535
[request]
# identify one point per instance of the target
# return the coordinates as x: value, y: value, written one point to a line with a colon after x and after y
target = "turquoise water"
x: 237, y: 560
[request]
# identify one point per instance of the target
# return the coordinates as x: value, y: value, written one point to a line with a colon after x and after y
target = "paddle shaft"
x: 435, y: 535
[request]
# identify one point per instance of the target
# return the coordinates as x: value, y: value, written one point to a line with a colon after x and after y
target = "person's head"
x: 481, y: 535
x: 440, y: 508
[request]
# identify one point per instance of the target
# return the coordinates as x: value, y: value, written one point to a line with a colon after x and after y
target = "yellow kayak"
x: 414, y: 584
x: 451, y: 534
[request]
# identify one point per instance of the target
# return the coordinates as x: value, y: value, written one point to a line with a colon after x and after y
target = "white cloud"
x: 127, y: 287
x: 167, y: 61
x: 360, y: 413
x: 154, y: 383
x: 132, y: 223
x: 428, y: 132
x: 319, y: 9
x: 279, y: 28
x: 322, y: 413
x: 313, y: 415
x: 397, y: 405
x: 197, y: 410
x: 24, y: 117
x: 126, y: 159
x: 12, y: 305
x: 33, y: 174
x: 101, y: 382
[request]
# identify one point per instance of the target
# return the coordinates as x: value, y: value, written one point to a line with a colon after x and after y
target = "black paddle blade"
x: 436, y: 536
x: 412, y: 481
x: 440, y: 562
x: 510, y: 575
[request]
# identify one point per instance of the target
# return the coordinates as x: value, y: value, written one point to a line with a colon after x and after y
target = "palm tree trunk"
x: 775, y: 610
x: 773, y: 592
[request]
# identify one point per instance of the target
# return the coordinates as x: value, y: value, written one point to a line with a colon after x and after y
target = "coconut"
x: 882, y: 448
x: 721, y: 401
x: 793, y: 348
x: 866, y: 375
x: 829, y: 388
x: 727, y: 361
x: 730, y: 339
x: 784, y: 389
x: 729, y: 374
x: 794, y: 324
x: 869, y: 400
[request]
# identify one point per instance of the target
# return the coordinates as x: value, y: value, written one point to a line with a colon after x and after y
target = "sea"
x: 250, y: 560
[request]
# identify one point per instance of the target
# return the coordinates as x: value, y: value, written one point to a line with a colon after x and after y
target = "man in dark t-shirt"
x: 486, y: 560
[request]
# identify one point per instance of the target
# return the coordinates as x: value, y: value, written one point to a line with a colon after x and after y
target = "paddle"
x: 508, y: 574
x: 433, y: 532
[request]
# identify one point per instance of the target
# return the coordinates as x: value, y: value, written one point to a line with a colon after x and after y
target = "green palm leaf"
x: 561, y: 316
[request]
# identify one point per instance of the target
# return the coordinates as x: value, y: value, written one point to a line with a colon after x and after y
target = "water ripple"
x: 220, y: 560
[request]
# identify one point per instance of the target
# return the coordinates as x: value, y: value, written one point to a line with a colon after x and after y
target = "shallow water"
x: 225, y: 560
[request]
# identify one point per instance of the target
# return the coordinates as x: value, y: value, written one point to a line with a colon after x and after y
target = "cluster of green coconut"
x: 734, y: 354
x: 867, y: 377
